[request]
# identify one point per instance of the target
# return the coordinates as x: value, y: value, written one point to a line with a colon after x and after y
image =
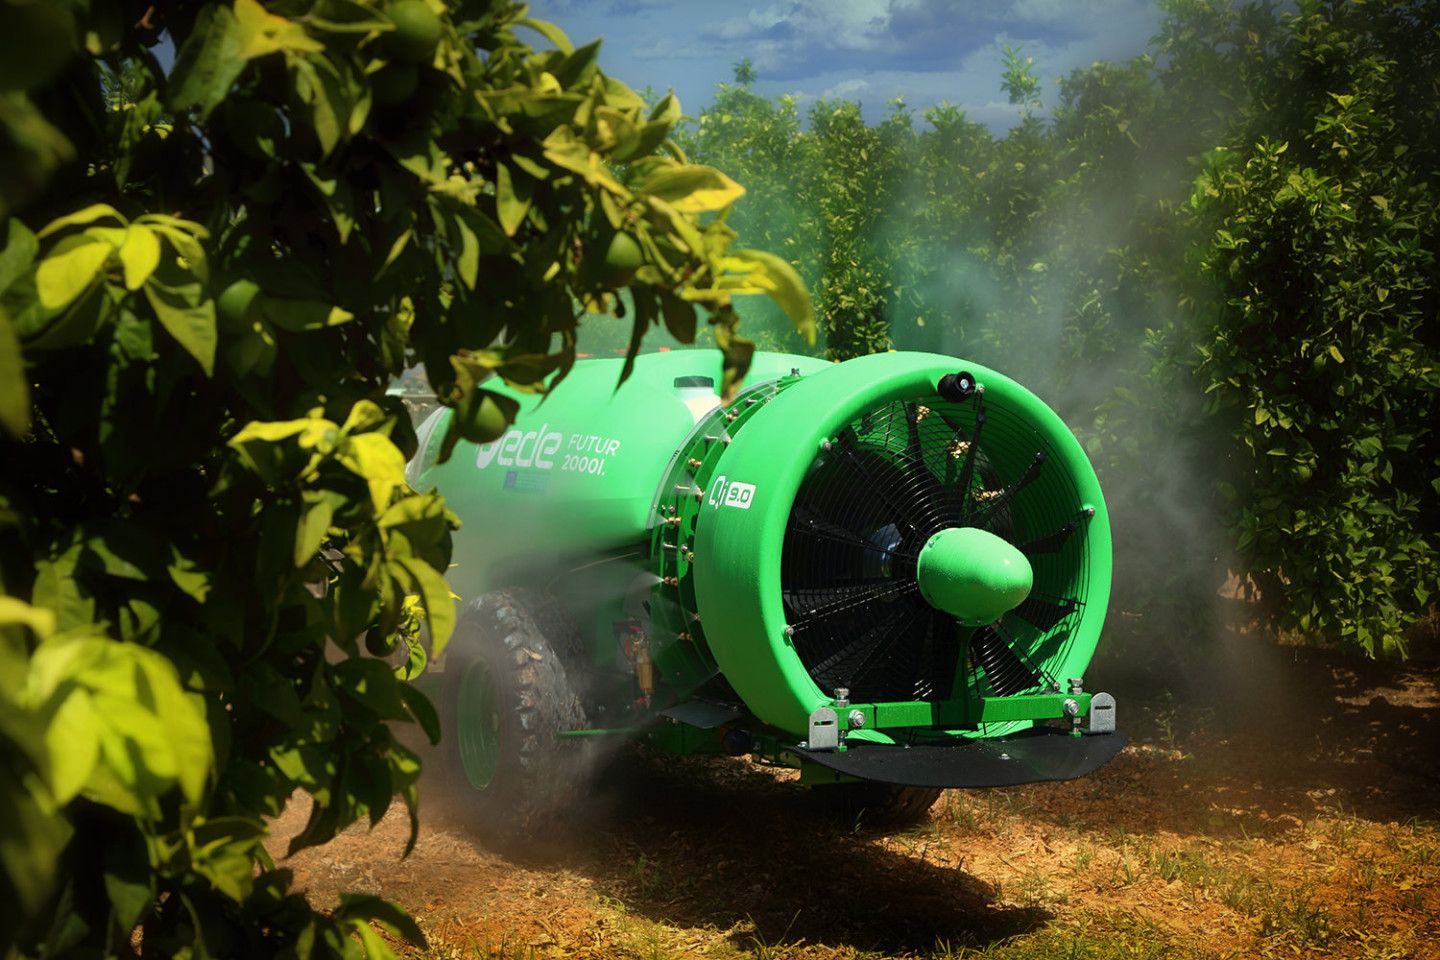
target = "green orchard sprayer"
x: 890, y: 573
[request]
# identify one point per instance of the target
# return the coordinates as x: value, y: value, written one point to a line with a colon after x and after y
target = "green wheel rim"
x: 478, y: 724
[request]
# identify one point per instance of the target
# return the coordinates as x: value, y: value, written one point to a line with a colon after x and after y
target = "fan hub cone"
x: 973, y: 575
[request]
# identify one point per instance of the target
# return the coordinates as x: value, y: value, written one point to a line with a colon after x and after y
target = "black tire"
x: 878, y: 805
x: 506, y: 643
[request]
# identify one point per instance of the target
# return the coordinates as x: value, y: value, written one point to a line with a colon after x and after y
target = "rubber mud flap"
x: 1032, y: 757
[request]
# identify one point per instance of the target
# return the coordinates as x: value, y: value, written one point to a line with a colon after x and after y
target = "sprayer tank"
x: 575, y: 475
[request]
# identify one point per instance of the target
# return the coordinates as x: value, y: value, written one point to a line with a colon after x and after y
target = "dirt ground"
x: 1274, y: 801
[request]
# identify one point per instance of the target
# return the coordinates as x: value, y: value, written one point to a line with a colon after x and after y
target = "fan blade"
x: 1003, y: 500
x: 867, y: 594
x: 814, y: 526
x: 933, y: 497
x: 1042, y: 613
x: 1006, y: 672
x: 967, y: 472
x: 1052, y: 541
x: 870, y: 675
x: 838, y: 668
x: 902, y: 512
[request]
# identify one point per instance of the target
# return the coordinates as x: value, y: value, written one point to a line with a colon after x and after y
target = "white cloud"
x: 846, y: 88
x: 867, y: 50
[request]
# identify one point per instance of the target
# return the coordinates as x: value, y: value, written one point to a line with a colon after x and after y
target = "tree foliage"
x: 213, y: 570
x: 1216, y: 259
x: 1318, y: 227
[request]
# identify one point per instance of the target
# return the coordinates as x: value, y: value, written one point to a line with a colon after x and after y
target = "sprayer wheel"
x: 504, y: 768
x: 872, y: 804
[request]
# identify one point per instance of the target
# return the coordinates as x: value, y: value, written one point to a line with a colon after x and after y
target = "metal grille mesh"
x: 890, y: 480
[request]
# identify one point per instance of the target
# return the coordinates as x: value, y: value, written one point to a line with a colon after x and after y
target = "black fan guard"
x: 891, y: 479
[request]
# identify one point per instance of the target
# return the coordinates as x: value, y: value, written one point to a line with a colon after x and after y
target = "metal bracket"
x: 1102, y: 713
x: 824, y: 730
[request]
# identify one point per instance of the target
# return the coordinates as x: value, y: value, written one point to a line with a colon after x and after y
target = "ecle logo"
x: 731, y: 493
x: 528, y: 448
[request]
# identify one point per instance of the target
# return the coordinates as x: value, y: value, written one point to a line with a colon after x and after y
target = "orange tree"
x: 210, y: 270
x: 1317, y: 227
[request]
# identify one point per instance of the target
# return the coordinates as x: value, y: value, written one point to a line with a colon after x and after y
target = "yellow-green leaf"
x: 15, y: 612
x: 693, y: 188
x: 69, y: 271
x: 375, y: 458
x: 90, y: 214
x: 364, y: 415
x: 776, y: 277
x: 511, y: 204
x: 1335, y: 352
x: 310, y: 531
x: 139, y: 255
x: 301, y: 315
x: 192, y: 325
x: 437, y: 598
x: 262, y: 32
x: 72, y: 742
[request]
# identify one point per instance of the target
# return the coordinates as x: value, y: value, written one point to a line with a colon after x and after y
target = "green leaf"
x: 300, y: 316
x: 209, y: 62
x: 415, y: 662
x: 317, y: 84
x: 310, y: 531
x: 193, y: 581
x: 679, y: 316
x: 192, y: 325
x: 512, y: 199
x: 372, y: 683
x: 423, y: 711
x: 550, y: 32
x: 374, y: 947
x: 14, y: 383
x: 57, y: 590
x: 129, y: 883
x: 1335, y: 352
x: 263, y: 447
x: 367, y: 908
x: 69, y: 271
x: 18, y: 254
x: 267, y: 690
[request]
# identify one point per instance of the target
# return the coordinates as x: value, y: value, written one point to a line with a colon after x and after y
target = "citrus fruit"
x: 416, y: 33
x: 622, y: 258
x: 489, y: 421
x: 236, y: 301
x: 378, y: 642
x: 395, y: 83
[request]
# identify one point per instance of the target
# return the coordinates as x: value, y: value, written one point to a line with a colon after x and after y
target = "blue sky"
x: 872, y: 51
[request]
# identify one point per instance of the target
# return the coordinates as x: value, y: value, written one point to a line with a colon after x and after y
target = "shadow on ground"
x: 715, y: 843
